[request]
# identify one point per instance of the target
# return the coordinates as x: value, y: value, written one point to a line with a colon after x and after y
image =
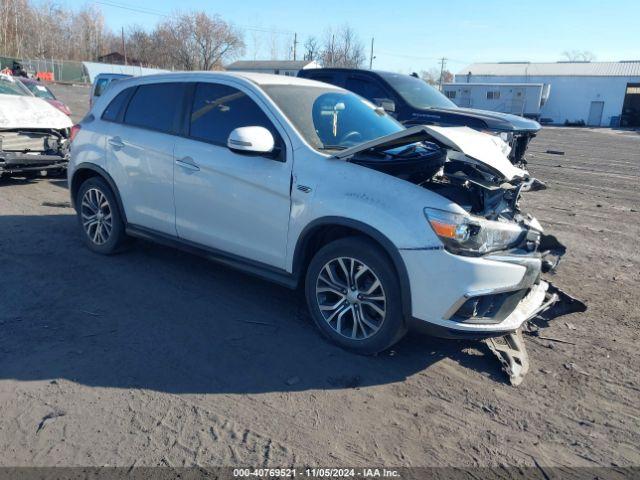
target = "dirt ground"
x: 157, y: 357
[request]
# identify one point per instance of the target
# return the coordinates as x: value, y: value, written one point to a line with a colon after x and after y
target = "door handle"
x: 188, y: 163
x: 116, y: 143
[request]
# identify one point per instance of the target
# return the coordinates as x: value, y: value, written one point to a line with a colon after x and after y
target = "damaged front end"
x: 33, y: 150
x: 470, y: 170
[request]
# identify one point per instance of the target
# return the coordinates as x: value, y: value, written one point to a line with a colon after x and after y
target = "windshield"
x: 40, y: 91
x: 417, y: 92
x: 330, y: 119
x: 8, y: 86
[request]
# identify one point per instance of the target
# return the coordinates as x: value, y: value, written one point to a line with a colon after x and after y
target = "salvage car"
x: 34, y: 135
x: 101, y: 82
x: 412, y: 101
x: 303, y: 183
x: 42, y: 91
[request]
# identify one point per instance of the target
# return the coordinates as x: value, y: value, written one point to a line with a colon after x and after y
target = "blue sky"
x: 411, y: 35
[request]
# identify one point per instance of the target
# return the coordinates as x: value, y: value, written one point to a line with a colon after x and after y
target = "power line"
x: 419, y: 57
x: 159, y: 13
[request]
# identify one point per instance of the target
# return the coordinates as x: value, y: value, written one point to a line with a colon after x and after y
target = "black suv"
x: 412, y: 101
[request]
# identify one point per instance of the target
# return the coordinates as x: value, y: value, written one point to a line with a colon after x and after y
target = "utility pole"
x: 371, y: 57
x: 295, y: 45
x: 443, y: 62
x: 124, y: 48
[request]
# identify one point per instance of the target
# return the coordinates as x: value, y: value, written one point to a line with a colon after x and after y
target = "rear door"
x: 233, y: 202
x: 140, y: 154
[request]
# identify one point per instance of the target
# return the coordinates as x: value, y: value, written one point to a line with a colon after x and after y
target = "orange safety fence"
x: 45, y: 76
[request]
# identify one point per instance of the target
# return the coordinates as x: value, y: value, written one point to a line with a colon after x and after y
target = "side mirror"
x: 251, y: 140
x: 386, y: 104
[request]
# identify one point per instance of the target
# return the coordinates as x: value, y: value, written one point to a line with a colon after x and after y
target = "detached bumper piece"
x: 510, y: 349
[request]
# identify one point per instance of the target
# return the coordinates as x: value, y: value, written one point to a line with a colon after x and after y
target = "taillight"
x: 74, y: 131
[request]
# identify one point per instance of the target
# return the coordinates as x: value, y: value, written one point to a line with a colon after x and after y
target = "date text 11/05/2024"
x: 316, y: 472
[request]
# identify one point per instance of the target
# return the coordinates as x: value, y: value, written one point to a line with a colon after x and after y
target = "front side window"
x: 155, y: 106
x: 331, y: 119
x: 218, y: 109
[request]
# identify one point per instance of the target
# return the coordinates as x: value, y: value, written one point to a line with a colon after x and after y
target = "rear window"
x: 156, y: 106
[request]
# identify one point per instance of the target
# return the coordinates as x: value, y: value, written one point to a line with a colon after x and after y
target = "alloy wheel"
x: 95, y: 212
x: 351, y: 298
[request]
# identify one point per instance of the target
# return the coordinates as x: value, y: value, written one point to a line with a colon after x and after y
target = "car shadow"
x: 161, y: 319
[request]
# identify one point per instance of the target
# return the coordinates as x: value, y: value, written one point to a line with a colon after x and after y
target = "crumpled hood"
x: 30, y: 112
x: 478, y: 148
x: 497, y: 120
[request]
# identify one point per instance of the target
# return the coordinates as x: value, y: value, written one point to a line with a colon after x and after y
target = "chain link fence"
x: 62, y: 70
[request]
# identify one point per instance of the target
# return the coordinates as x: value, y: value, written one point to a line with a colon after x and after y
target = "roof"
x: 269, y: 64
x: 94, y: 68
x: 490, y: 84
x: 256, y: 78
x: 580, y: 69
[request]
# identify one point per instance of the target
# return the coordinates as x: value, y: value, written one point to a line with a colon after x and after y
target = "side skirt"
x: 256, y: 269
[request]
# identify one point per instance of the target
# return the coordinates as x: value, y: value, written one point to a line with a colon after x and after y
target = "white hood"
x: 30, y: 112
x: 477, y: 147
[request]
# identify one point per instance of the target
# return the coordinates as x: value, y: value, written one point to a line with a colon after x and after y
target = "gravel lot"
x: 157, y: 357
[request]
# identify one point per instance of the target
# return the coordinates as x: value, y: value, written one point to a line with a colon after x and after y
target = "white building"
x: 524, y: 99
x: 596, y: 93
x: 279, y: 67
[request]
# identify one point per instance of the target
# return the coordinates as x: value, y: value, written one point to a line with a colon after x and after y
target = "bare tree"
x: 342, y: 48
x: 432, y: 76
x: 311, y: 48
x: 197, y: 41
x: 579, y: 55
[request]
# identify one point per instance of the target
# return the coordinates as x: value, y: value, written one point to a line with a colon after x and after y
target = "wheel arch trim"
x: 299, y: 254
x: 101, y: 172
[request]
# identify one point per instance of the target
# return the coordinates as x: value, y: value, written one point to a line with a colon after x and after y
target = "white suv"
x: 301, y: 182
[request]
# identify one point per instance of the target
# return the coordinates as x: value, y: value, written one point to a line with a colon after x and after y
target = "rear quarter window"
x: 112, y: 112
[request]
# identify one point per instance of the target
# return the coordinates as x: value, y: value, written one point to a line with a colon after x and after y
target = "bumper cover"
x: 442, y: 283
x: 12, y: 162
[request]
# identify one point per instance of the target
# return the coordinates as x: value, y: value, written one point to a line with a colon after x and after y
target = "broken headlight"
x: 471, y: 235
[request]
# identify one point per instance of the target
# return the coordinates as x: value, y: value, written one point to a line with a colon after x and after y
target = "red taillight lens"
x: 74, y: 131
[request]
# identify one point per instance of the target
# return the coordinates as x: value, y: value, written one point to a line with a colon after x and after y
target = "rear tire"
x: 353, y: 294
x: 99, y: 217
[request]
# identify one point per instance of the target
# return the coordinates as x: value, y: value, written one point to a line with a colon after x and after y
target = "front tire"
x: 100, y: 221
x: 353, y: 294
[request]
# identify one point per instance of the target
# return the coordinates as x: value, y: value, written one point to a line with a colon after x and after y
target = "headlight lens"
x: 467, y: 234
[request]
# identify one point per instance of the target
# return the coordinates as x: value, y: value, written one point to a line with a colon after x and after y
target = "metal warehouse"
x: 590, y: 93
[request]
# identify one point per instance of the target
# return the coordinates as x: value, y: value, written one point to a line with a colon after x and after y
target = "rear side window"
x: 219, y: 109
x: 113, y: 110
x: 156, y: 107
x: 366, y: 88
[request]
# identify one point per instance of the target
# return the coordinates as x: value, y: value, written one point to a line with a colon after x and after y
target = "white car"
x: 304, y: 183
x: 34, y: 135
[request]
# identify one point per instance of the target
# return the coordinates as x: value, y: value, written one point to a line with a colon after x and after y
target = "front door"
x: 232, y: 202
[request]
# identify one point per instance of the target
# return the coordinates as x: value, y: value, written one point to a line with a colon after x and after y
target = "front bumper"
x: 12, y: 162
x: 443, y: 286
